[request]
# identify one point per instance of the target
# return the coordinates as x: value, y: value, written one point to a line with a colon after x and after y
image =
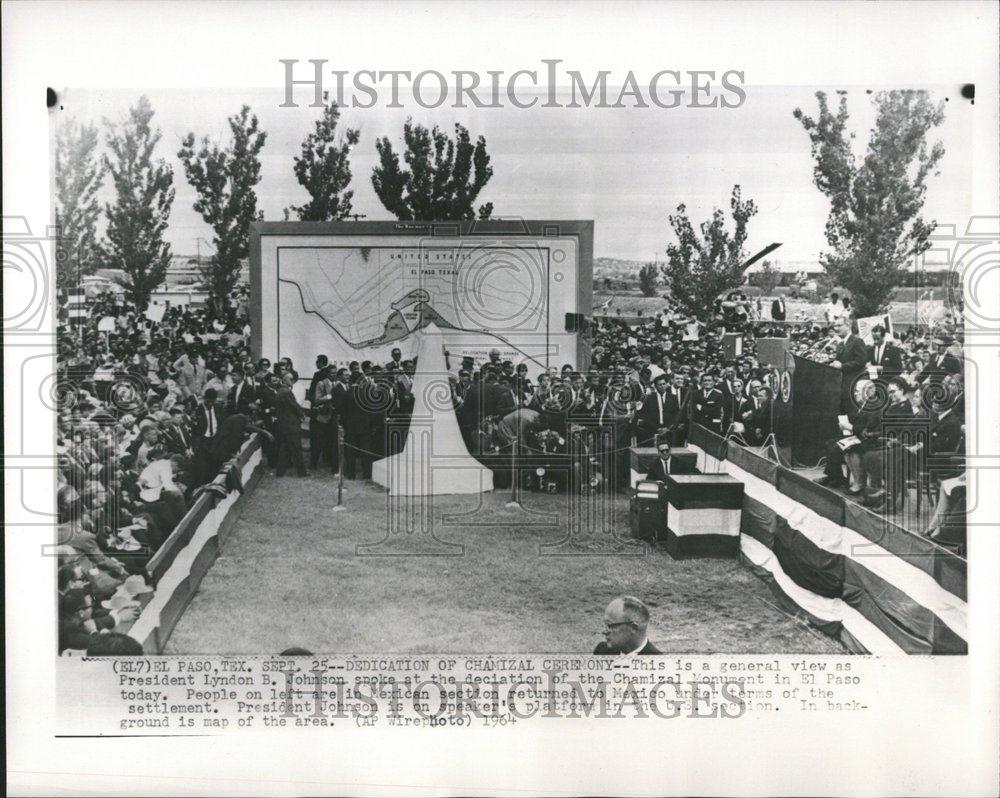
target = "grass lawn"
x: 290, y: 575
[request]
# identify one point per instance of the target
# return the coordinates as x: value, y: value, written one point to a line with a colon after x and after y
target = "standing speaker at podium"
x: 851, y: 357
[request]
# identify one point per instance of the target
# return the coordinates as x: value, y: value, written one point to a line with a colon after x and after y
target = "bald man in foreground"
x: 625, y: 622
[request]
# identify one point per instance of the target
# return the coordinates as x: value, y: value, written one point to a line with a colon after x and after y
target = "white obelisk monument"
x: 435, y: 460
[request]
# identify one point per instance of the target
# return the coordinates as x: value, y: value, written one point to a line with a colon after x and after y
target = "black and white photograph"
x: 460, y: 393
x: 480, y: 416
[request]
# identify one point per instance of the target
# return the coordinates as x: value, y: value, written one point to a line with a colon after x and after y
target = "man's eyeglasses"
x: 609, y: 626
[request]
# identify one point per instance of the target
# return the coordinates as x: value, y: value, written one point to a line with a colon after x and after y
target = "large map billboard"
x: 357, y: 290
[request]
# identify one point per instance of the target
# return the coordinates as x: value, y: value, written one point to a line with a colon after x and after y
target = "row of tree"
x: 874, y: 229
x: 442, y: 179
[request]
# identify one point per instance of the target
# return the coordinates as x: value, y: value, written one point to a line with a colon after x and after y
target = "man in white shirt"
x: 157, y: 485
x: 833, y: 309
x: 150, y: 439
x: 625, y: 622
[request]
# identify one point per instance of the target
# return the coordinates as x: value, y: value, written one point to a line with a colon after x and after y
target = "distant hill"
x: 617, y: 268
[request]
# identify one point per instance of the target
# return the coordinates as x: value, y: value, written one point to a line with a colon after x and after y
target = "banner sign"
x: 866, y: 324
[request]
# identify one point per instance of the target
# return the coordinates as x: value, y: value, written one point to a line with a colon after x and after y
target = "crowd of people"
x: 139, y: 435
x: 646, y: 384
x: 151, y: 411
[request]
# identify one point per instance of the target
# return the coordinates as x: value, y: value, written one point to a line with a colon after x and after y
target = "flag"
x: 76, y: 304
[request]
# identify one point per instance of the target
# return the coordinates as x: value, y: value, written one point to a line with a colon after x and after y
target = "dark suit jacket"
x: 649, y: 648
x: 357, y: 420
x: 759, y: 419
x: 682, y: 396
x: 648, y: 415
x: 499, y: 400
x: 248, y: 395
x: 778, y: 310
x: 178, y: 442
x: 474, y: 406
x: 891, y: 362
x: 935, y: 371
x: 677, y: 466
x: 707, y: 409
x: 945, y: 433
x: 288, y: 409
x: 852, y: 354
x: 341, y: 396
x: 201, y: 420
x: 734, y: 407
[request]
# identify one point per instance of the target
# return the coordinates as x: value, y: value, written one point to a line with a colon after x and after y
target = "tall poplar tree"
x: 138, y: 217
x: 224, y: 180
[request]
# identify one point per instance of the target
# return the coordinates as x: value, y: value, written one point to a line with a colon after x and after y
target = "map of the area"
x: 371, y: 296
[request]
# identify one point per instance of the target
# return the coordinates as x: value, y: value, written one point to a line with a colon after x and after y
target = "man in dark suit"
x: 207, y: 419
x: 736, y: 404
x: 757, y: 417
x: 885, y: 357
x: 358, y: 424
x: 851, y: 358
x: 941, y: 363
x: 626, y: 620
x: 658, y: 413
x: 242, y: 395
x: 681, y: 394
x: 778, y: 309
x: 708, y: 405
x: 176, y: 434
x: 267, y: 390
x: 614, y: 423
x: 665, y: 464
x: 947, y: 457
x: 289, y: 438
x: 315, y: 434
x: 500, y: 398
x: 472, y: 410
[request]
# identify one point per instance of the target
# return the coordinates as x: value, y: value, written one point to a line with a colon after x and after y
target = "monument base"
x: 445, y: 475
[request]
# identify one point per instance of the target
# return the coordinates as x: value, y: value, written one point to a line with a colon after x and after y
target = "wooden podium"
x: 642, y: 457
x: 703, y: 515
x: 814, y: 405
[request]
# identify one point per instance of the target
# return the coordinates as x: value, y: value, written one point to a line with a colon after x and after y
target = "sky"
x: 625, y: 168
